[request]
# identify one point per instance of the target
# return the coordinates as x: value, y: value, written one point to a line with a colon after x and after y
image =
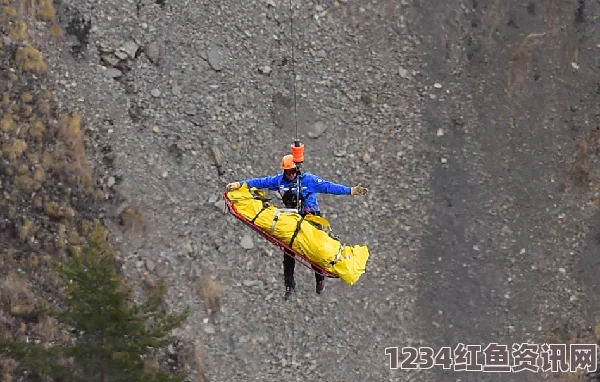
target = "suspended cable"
x: 293, y: 69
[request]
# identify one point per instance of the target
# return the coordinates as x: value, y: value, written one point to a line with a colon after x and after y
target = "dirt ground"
x: 472, y: 123
x: 509, y: 256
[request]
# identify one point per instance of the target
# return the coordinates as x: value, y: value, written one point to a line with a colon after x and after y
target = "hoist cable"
x: 293, y: 69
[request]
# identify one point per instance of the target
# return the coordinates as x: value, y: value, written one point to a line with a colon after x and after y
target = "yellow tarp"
x: 312, y: 242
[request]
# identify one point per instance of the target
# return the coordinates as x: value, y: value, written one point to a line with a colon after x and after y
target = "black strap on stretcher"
x: 298, y: 225
x: 265, y: 206
x: 297, y: 230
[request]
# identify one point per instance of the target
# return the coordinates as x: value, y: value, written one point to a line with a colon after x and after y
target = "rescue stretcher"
x: 299, y: 257
x: 311, y: 240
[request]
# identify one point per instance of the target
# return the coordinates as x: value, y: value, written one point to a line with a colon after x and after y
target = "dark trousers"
x: 289, y: 263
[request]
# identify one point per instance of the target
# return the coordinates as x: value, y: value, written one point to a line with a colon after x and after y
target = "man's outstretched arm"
x: 267, y: 182
x: 326, y: 187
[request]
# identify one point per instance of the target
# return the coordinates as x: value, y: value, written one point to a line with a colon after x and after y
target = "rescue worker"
x: 286, y: 184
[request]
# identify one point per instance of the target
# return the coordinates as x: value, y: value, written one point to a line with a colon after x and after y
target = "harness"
x: 290, y: 196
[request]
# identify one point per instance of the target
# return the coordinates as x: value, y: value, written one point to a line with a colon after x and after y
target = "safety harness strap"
x: 337, y: 257
x: 274, y: 222
x: 298, y: 225
x: 258, y: 196
x: 278, y: 212
x: 265, y: 206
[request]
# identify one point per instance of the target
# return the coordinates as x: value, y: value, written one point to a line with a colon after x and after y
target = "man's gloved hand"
x: 233, y: 186
x: 359, y: 190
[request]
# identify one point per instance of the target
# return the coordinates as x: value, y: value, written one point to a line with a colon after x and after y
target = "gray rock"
x: 155, y: 93
x: 317, y: 129
x: 403, y: 72
x: 218, y: 158
x: 110, y: 59
x: 131, y: 48
x: 153, y: 52
x: 213, y: 55
x: 220, y: 205
x: 103, y: 48
x: 111, y: 181
x: 113, y: 73
x: 150, y: 265
x: 247, y: 242
x: 120, y: 55
x: 176, y: 89
x: 190, y: 109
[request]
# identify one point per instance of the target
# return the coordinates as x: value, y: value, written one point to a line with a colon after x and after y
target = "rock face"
x: 407, y: 99
x: 213, y: 56
x: 489, y: 237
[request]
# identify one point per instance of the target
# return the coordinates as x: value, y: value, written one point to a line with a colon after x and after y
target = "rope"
x: 298, y: 183
x: 293, y: 70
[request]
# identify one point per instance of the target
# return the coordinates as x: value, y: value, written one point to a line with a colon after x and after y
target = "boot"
x: 289, y: 290
x: 288, y: 293
x: 320, y: 286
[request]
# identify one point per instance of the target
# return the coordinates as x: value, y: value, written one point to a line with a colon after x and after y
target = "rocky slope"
x: 184, y: 97
x: 407, y: 98
x: 512, y: 203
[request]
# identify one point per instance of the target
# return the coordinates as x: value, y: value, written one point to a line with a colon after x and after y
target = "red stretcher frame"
x: 298, y: 256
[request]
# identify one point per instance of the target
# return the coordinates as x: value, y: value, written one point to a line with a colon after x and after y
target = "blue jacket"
x: 310, y: 183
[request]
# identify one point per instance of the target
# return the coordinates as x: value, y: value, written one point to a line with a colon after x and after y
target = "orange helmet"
x: 287, y: 162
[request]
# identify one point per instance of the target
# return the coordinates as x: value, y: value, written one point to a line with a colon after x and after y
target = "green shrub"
x: 112, y: 334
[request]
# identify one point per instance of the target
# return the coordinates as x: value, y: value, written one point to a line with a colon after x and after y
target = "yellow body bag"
x: 345, y: 261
